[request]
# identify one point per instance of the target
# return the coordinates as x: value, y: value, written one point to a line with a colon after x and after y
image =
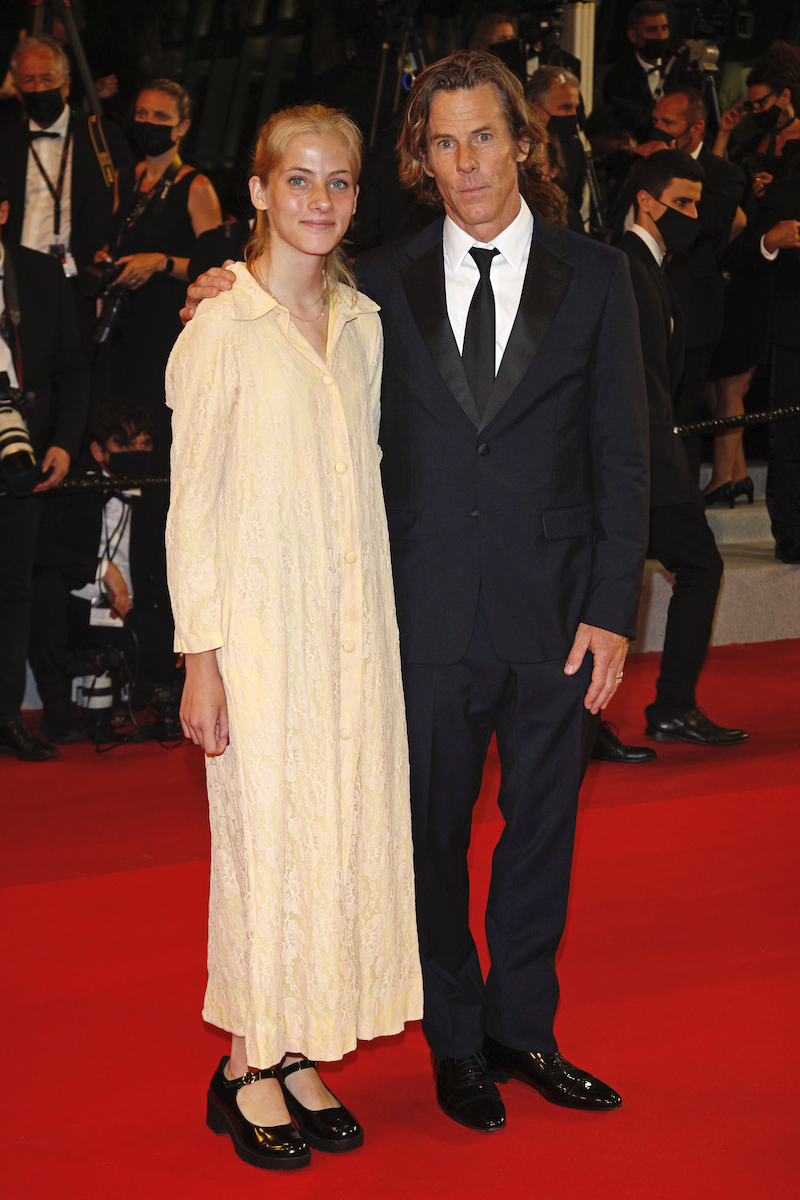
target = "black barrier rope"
x: 745, y: 420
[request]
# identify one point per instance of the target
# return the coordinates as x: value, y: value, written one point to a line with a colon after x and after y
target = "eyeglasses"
x: 758, y: 105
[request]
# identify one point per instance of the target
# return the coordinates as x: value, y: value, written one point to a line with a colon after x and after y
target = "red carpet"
x: 679, y: 974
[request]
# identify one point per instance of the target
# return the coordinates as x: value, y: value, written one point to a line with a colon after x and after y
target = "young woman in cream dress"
x: 280, y: 579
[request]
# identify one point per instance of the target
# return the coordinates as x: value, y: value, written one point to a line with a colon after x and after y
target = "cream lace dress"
x: 278, y: 559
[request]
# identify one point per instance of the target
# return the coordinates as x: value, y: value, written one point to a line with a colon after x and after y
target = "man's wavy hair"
x: 462, y: 71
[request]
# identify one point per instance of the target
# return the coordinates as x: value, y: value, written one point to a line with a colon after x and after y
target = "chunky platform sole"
x: 217, y: 1121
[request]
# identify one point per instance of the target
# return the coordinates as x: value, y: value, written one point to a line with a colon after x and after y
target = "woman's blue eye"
x: 297, y: 179
x: 339, y: 184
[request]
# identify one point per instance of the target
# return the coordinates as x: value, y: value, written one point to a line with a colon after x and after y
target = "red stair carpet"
x: 679, y: 973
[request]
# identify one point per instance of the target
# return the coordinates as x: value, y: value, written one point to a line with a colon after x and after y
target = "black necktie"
x: 42, y: 133
x: 479, y: 336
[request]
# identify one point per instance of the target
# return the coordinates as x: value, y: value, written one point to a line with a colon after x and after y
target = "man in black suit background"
x: 641, y: 76
x: 515, y: 473
x: 43, y: 354
x: 668, y: 189
x: 61, y: 201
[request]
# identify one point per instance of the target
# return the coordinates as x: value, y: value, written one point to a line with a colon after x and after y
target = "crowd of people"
x: 431, y: 473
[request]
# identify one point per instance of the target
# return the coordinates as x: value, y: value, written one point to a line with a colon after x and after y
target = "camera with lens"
x: 540, y: 22
x: 99, y: 283
x: 20, y: 470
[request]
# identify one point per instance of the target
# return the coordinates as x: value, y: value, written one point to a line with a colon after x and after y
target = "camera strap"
x: 13, y: 310
x: 152, y: 201
x: 57, y: 190
x: 102, y: 152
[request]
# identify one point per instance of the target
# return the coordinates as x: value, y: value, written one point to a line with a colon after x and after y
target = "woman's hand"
x: 731, y: 118
x: 761, y: 182
x: 102, y: 256
x: 204, y: 709
x: 139, y: 268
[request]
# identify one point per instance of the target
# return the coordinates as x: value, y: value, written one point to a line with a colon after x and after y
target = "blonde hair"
x: 463, y: 71
x: 273, y: 141
x: 44, y: 42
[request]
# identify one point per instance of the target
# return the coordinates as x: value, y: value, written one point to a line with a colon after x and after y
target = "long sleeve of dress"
x: 201, y: 387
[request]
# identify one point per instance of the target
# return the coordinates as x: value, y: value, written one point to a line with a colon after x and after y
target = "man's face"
x: 672, y: 117
x: 649, y: 29
x: 681, y: 194
x: 473, y: 159
x: 114, y: 444
x: 38, y: 71
x: 561, y: 101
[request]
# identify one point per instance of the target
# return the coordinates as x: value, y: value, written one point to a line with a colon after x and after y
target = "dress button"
x: 350, y: 556
x: 328, y: 379
x: 483, y: 448
x: 344, y: 734
x: 474, y: 512
x: 349, y: 647
x: 341, y: 468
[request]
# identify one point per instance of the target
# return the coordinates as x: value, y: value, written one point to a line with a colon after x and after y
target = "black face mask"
x: 660, y: 135
x: 563, y: 127
x: 154, y: 140
x: 768, y: 117
x: 678, y: 231
x: 130, y: 464
x: 43, y: 107
x: 654, y: 49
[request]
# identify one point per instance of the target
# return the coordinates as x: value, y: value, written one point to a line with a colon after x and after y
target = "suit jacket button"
x: 483, y: 448
x: 474, y: 512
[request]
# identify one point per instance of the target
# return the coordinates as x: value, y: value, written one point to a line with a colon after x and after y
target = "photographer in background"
x: 60, y: 201
x: 100, y: 573
x: 42, y: 355
x: 162, y: 206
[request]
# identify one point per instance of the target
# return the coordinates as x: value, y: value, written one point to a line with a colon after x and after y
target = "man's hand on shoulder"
x: 209, y: 284
x: 609, y: 651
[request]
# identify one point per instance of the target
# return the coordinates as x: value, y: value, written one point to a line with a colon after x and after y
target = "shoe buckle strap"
x: 250, y: 1077
x: 302, y: 1064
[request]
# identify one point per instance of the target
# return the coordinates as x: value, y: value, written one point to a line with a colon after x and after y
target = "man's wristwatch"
x: 168, y: 265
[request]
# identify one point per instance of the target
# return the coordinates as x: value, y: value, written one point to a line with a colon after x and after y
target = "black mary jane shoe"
x: 558, y: 1080
x: 467, y: 1093
x: 277, y: 1147
x: 331, y: 1129
x: 724, y: 494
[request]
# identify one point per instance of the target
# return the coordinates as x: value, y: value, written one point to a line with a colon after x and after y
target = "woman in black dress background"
x: 161, y: 207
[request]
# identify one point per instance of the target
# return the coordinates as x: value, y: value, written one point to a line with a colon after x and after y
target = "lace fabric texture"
x: 278, y: 559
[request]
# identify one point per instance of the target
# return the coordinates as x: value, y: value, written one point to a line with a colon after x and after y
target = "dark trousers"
x: 19, y: 521
x: 783, y: 474
x: 544, y: 737
x: 60, y: 630
x: 681, y: 539
x: 689, y: 403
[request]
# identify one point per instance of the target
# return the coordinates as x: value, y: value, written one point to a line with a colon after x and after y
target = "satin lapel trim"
x: 423, y: 281
x: 546, y: 280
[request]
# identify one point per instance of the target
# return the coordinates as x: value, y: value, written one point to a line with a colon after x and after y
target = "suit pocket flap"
x: 577, y: 521
x: 402, y: 523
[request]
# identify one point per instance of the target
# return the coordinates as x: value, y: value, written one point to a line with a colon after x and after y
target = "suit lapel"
x: 423, y: 282
x: 546, y: 281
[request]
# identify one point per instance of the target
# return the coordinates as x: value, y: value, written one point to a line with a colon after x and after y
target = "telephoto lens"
x: 20, y: 470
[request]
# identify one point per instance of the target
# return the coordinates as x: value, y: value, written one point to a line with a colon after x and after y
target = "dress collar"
x: 250, y: 301
x: 513, y: 242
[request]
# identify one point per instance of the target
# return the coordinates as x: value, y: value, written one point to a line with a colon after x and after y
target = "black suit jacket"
x: 661, y: 328
x: 91, y: 201
x: 782, y: 203
x: 696, y: 275
x: 54, y: 363
x: 628, y: 81
x: 542, y: 503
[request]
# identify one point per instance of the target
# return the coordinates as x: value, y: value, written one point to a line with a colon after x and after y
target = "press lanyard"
x: 57, y: 191
x: 154, y: 200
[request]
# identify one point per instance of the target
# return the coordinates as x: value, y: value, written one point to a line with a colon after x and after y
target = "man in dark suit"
x: 61, y: 200
x: 669, y: 185
x: 514, y: 465
x: 696, y: 276
x: 100, y: 573
x: 779, y: 227
x: 554, y: 95
x: 42, y: 354
x: 641, y: 76
x: 515, y: 472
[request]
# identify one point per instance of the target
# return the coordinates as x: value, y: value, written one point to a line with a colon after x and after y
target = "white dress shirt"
x: 37, y: 223
x: 507, y: 275
x: 6, y: 357
x: 115, y: 546
x: 655, y: 81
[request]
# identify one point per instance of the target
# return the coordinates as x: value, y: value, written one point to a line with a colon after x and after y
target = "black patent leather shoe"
x: 724, y: 494
x: 467, y: 1093
x: 608, y: 748
x: 17, y: 739
x: 695, y: 727
x: 277, y: 1147
x: 558, y: 1080
x: 331, y: 1129
x: 745, y: 487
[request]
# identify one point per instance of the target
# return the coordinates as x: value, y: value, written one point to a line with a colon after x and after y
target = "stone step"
x: 759, y: 599
x: 756, y: 470
x: 742, y: 523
